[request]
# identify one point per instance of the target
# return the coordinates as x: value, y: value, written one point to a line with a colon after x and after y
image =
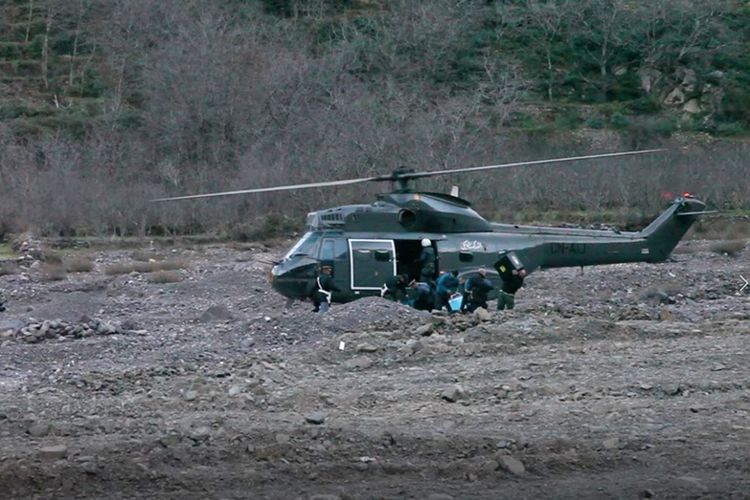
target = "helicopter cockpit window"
x: 327, y: 250
x: 304, y: 246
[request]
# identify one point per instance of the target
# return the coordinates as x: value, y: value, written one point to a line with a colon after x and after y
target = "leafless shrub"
x: 145, y: 267
x: 7, y: 268
x: 144, y: 255
x: 728, y: 247
x: 119, y: 268
x: 685, y: 249
x: 52, y: 257
x: 78, y: 264
x: 249, y: 108
x: 161, y: 277
x: 53, y: 271
x: 165, y: 265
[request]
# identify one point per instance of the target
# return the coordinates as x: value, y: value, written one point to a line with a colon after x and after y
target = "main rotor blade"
x: 269, y: 189
x: 416, y: 175
x: 397, y: 176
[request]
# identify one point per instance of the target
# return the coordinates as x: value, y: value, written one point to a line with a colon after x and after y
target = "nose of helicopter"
x: 291, y: 279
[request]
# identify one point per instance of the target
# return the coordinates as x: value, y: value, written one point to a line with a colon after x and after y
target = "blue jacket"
x: 479, y: 288
x: 447, y: 283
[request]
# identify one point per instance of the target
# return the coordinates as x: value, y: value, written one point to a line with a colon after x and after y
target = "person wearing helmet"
x: 426, y: 262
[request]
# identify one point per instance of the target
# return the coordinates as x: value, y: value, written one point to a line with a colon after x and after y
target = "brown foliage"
x: 144, y: 255
x: 78, y: 264
x: 53, y: 271
x: 145, y: 267
x: 162, y: 277
x: 237, y: 108
x: 728, y: 247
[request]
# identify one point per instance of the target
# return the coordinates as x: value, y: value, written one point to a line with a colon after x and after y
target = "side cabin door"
x: 372, y: 262
x: 334, y: 252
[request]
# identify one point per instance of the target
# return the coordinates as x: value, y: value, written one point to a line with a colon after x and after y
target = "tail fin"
x: 667, y: 230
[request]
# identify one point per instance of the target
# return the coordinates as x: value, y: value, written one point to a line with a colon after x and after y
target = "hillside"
x: 105, y: 103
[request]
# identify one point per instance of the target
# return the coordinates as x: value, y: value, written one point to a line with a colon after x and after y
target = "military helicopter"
x: 366, y: 244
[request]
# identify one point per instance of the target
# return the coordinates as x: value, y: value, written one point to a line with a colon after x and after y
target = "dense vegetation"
x: 108, y: 103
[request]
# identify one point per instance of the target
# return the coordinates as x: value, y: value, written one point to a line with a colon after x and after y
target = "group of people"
x: 429, y: 293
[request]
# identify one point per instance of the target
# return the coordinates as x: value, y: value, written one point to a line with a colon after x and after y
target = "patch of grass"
x: 145, y: 267
x: 6, y: 251
x: 162, y: 277
x: 728, y: 247
x: 78, y: 264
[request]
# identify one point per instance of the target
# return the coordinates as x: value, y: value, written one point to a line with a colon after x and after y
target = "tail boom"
x: 574, y: 248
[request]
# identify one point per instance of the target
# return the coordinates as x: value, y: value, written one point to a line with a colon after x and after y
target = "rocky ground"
x: 625, y: 381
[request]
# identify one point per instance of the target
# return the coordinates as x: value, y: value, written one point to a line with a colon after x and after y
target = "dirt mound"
x: 373, y: 312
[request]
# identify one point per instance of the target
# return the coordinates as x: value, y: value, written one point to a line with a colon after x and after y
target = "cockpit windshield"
x: 304, y: 246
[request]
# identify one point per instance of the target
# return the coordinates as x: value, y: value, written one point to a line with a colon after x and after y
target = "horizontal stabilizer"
x: 702, y: 212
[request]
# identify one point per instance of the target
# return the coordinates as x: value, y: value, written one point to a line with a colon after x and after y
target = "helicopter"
x: 366, y: 244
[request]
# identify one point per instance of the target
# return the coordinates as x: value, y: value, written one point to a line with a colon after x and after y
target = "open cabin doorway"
x: 407, y: 257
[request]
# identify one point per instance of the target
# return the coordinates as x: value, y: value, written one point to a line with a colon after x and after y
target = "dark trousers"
x: 505, y: 300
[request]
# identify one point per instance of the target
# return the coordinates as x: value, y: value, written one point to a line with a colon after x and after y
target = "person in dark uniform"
x: 427, y: 263
x: 512, y: 273
x: 395, y: 288
x: 422, y: 296
x: 447, y: 284
x: 476, y: 291
x: 322, y: 289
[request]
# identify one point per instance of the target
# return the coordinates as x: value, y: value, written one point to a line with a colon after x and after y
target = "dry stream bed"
x: 625, y: 381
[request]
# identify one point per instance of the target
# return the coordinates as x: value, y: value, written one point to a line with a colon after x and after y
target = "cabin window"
x: 362, y: 254
x: 465, y: 256
x: 382, y: 255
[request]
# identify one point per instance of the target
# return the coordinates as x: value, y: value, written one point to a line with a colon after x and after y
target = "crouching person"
x: 422, y: 296
x: 476, y: 292
x: 395, y: 288
x: 447, y: 285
